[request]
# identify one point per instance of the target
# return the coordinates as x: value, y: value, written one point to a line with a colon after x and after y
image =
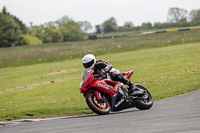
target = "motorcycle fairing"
x: 128, y: 74
x: 103, y: 85
x: 107, y: 86
x: 118, y: 102
x: 100, y: 84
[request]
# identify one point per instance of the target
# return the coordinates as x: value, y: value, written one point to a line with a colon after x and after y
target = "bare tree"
x: 176, y: 14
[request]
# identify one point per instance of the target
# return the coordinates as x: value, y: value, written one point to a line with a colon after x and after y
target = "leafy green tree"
x: 22, y: 41
x: 85, y: 25
x: 110, y: 25
x: 52, y: 33
x: 98, y: 29
x: 157, y: 25
x: 4, y: 11
x: 70, y: 29
x: 63, y: 20
x: 37, y: 31
x: 128, y: 24
x: 22, y: 26
x: 9, y: 30
x: 64, y: 29
x: 147, y: 25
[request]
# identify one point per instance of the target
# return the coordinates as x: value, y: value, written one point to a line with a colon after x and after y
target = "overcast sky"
x: 95, y: 11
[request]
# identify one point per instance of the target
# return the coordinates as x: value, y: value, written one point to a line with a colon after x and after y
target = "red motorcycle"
x: 104, y: 95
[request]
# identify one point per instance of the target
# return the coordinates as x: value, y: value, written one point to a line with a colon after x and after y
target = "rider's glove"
x: 108, y: 68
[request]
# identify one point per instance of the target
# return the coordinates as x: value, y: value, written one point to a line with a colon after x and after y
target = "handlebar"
x: 101, y: 74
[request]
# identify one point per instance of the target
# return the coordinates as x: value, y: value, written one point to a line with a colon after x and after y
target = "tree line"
x: 176, y: 17
x: 66, y: 29
x: 62, y: 30
x: 11, y: 29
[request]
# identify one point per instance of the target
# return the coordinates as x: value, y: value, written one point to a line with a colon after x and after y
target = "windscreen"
x: 85, y: 73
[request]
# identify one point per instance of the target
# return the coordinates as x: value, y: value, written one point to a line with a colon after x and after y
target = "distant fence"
x: 172, y: 30
x: 95, y: 36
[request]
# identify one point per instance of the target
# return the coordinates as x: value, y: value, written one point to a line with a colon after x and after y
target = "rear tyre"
x: 101, y: 108
x: 146, y: 102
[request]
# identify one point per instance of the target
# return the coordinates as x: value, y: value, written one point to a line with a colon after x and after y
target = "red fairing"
x: 104, y: 87
x: 128, y: 74
x: 90, y: 82
x: 87, y: 82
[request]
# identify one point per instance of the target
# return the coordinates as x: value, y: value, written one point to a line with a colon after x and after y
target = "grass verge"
x: 36, y: 54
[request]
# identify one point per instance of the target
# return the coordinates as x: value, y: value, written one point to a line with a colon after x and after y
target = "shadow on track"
x: 95, y: 115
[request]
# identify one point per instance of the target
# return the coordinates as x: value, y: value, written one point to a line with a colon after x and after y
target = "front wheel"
x: 145, y: 102
x: 98, y: 107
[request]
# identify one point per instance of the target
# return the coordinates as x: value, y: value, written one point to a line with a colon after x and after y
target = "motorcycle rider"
x: 89, y: 62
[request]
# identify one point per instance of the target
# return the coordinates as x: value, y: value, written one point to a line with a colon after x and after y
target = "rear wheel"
x: 146, y: 101
x: 98, y: 107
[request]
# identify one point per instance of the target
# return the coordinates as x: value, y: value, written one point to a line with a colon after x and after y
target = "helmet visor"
x: 88, y: 64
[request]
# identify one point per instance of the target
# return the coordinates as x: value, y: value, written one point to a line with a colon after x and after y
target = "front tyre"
x: 101, y: 108
x: 145, y: 102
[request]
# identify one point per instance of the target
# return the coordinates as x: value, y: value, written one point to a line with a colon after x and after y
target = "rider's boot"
x: 130, y: 86
x: 132, y: 90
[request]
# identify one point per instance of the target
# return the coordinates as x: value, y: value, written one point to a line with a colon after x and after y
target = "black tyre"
x: 101, y: 108
x: 146, y: 102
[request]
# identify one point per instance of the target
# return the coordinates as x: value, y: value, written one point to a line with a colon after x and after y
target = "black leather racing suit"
x: 115, y: 74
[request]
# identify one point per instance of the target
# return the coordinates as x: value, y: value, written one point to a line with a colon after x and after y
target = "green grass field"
x: 36, y: 54
x: 52, y: 89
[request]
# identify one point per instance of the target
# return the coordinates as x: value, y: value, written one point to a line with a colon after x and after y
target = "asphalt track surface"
x: 179, y: 114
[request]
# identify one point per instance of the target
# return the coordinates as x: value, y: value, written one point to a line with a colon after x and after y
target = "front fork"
x: 98, y: 95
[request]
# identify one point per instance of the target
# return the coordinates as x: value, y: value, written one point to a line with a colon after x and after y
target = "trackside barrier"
x: 184, y: 29
x: 172, y: 30
x: 160, y: 31
x: 94, y: 36
x: 195, y: 28
x: 147, y: 33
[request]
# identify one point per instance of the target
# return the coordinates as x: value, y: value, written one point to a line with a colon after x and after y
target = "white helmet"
x: 89, y: 61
